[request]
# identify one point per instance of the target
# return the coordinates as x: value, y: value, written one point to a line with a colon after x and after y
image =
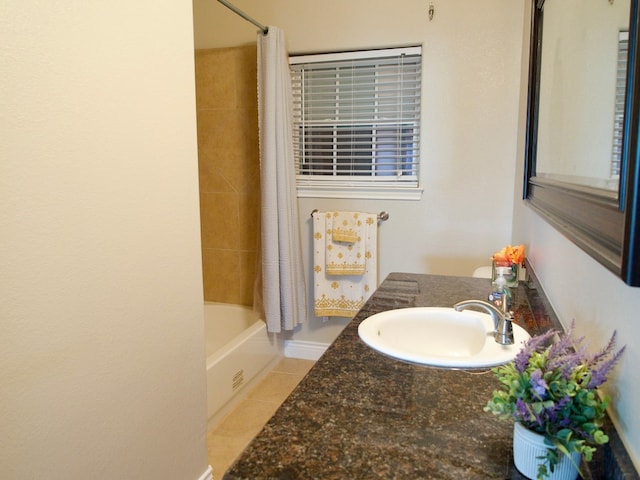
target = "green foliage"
x: 552, y: 389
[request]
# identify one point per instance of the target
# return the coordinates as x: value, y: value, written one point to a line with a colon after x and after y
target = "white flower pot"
x: 529, y: 445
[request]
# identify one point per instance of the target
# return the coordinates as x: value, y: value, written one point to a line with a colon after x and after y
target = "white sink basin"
x: 441, y: 337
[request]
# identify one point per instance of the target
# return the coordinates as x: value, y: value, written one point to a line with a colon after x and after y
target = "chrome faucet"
x: 502, y: 327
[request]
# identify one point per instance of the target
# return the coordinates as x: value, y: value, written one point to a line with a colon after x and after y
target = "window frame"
x: 373, y: 186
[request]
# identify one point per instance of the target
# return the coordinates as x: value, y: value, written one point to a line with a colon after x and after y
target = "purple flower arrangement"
x: 551, y: 388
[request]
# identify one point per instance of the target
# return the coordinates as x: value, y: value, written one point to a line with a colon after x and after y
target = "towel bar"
x: 382, y: 216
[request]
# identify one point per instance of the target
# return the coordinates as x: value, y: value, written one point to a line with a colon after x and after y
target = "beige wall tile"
x: 237, y: 167
x: 211, y: 176
x: 246, y: 64
x: 252, y: 183
x: 215, y: 85
x: 249, y: 211
x: 228, y: 151
x: 221, y: 275
x: 250, y: 137
x: 222, y: 128
x: 219, y: 215
x: 238, y: 129
x: 247, y: 274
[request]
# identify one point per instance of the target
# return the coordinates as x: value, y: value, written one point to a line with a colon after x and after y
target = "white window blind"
x: 357, y: 118
x: 621, y: 88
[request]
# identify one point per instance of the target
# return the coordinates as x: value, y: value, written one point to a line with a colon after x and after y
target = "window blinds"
x: 621, y: 88
x: 357, y: 116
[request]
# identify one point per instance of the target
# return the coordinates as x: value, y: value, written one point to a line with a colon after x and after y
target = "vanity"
x: 361, y: 415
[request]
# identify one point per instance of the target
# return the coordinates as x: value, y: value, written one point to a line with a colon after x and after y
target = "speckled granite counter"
x: 361, y: 415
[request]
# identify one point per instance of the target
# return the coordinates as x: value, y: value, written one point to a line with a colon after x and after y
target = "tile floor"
x: 227, y: 439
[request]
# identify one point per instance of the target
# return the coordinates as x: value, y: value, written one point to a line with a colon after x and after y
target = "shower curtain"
x: 283, y: 284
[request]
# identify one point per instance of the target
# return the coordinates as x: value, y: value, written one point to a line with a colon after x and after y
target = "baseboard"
x: 304, y: 350
x: 208, y: 474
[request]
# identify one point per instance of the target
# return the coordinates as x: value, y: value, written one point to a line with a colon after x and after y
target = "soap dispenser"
x: 500, y: 294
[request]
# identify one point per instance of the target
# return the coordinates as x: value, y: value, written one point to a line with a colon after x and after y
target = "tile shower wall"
x: 227, y: 112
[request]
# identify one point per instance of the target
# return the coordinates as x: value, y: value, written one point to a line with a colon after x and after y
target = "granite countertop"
x: 360, y: 415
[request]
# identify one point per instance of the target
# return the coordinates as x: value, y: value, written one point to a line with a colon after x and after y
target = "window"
x: 357, y: 123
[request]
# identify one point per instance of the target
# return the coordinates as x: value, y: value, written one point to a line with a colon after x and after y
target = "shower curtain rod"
x: 264, y: 29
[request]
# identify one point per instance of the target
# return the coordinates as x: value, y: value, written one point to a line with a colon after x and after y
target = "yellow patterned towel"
x: 343, y: 295
x: 345, y: 258
x: 346, y: 227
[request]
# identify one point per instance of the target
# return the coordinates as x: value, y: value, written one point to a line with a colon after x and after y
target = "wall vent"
x: 238, y: 380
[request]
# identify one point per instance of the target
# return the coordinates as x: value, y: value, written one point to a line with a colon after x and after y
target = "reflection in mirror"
x: 582, y: 89
x: 582, y: 169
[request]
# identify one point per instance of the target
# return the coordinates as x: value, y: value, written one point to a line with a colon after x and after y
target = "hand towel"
x: 346, y: 227
x: 345, y: 257
x: 343, y: 295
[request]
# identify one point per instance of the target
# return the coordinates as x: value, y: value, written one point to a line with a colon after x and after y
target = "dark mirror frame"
x: 604, y: 224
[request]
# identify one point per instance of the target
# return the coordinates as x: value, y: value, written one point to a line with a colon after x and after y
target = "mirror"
x: 581, y: 167
x: 583, y: 71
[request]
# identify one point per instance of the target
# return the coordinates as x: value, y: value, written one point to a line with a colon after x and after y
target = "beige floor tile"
x: 247, y: 419
x: 230, y: 437
x: 222, y: 451
x: 294, y: 366
x: 275, y: 387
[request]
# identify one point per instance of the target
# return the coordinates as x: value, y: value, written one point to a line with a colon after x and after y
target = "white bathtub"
x: 238, y: 350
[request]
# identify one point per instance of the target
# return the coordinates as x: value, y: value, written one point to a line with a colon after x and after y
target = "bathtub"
x: 238, y: 349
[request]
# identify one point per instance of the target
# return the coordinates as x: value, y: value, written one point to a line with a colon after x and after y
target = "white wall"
x: 102, y: 352
x: 471, y: 85
x: 580, y: 289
